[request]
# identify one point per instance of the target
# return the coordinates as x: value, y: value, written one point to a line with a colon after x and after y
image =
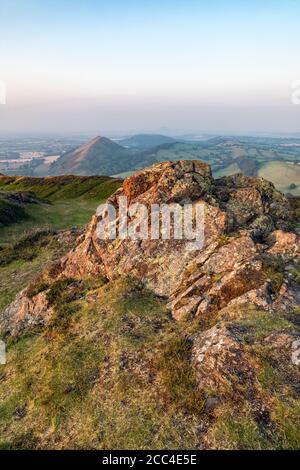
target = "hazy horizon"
x: 114, y: 67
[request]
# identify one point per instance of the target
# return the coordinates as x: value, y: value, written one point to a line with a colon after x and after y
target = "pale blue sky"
x: 125, y: 65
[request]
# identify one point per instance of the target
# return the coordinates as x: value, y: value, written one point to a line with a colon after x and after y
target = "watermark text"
x: 2, y: 352
x: 296, y: 92
x: 159, y: 221
x: 2, y: 92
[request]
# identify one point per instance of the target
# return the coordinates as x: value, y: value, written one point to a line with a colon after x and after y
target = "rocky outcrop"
x: 246, y: 223
x: 229, y: 272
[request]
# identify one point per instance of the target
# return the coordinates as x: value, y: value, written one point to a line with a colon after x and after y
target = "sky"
x: 115, y: 66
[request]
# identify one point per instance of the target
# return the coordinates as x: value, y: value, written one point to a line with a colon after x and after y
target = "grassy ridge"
x: 60, y: 203
x: 21, y: 261
x: 62, y: 187
x: 10, y: 212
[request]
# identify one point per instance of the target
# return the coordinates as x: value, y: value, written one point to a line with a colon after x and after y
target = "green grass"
x: 240, y: 425
x: 19, y: 265
x: 112, y: 370
x: 65, y: 202
x: 10, y: 212
x: 62, y: 187
x: 57, y: 216
x: 282, y: 174
x: 232, y: 432
x: 95, y: 382
x: 243, y: 428
x: 261, y: 325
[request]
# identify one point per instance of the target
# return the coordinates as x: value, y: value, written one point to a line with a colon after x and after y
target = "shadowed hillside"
x: 12, y: 206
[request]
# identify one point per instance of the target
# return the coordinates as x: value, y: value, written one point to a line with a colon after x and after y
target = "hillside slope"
x: 125, y: 344
x: 61, y: 187
x: 99, y: 156
x: 146, y: 141
x: 226, y: 156
x: 35, y: 214
x: 13, y: 206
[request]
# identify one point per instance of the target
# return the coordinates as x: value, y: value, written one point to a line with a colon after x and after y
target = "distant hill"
x: 146, y: 141
x: 225, y: 155
x: 100, y: 156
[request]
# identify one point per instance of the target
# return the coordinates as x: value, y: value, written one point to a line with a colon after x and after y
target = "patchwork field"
x: 285, y: 176
x: 273, y: 159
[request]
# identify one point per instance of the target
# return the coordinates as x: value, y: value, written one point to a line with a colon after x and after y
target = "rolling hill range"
x: 146, y: 141
x: 98, y: 156
x: 275, y: 159
x: 102, y: 156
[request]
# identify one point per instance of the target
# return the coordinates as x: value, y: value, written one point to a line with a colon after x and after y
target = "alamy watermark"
x: 296, y: 352
x: 2, y: 92
x: 295, y: 97
x: 159, y: 221
x: 2, y: 352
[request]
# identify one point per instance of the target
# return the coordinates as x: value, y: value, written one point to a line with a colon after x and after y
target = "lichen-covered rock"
x: 247, y: 199
x: 25, y: 313
x: 231, y: 274
x: 169, y: 182
x: 284, y: 243
x: 158, y: 263
x: 162, y: 264
x: 223, y: 363
x: 244, y: 222
x: 238, y: 366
